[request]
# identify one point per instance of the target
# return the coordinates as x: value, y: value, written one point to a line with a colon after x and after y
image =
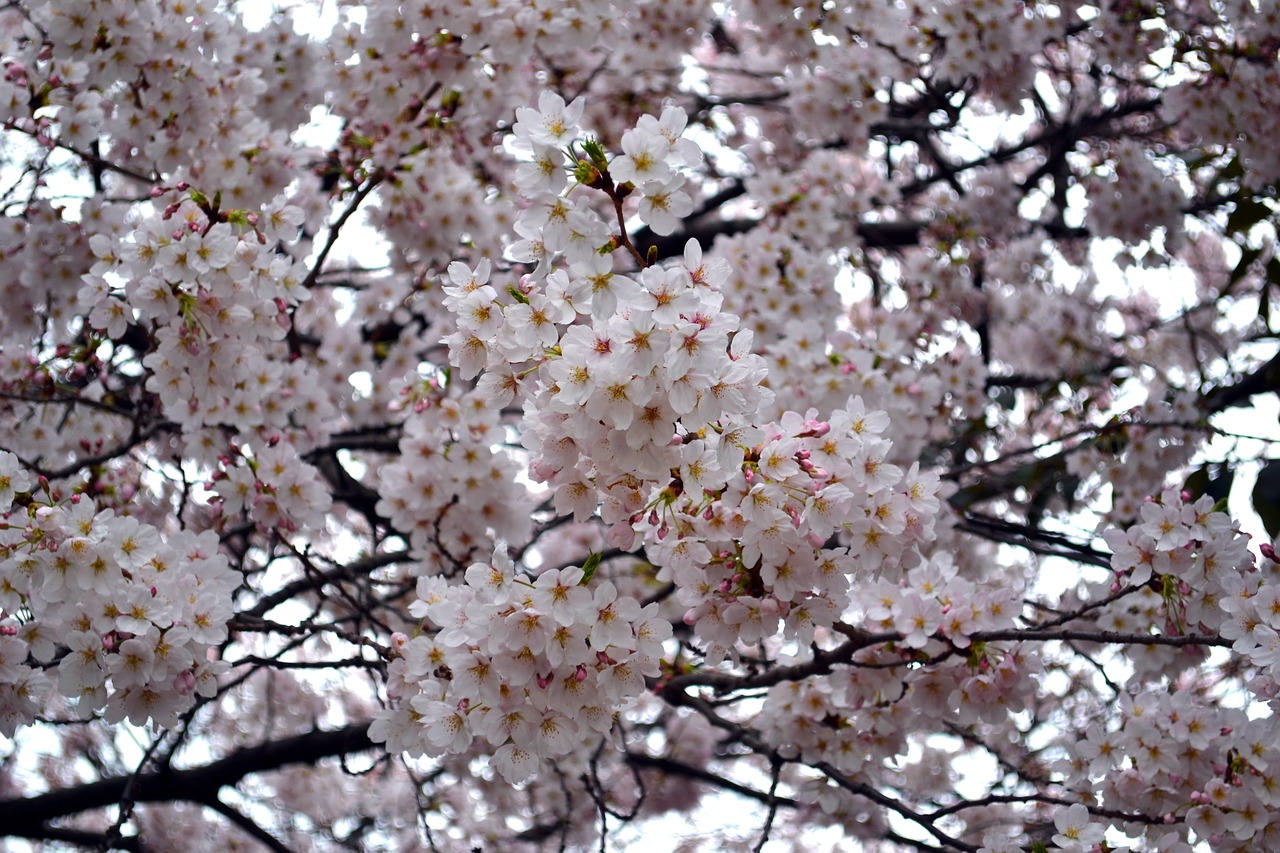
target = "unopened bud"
x: 184, y: 682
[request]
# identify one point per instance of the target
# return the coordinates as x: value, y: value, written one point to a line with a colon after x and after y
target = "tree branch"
x: 26, y: 817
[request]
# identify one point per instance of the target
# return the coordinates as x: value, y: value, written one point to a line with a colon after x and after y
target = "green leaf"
x: 1264, y: 303
x: 585, y: 173
x: 1197, y: 482
x: 517, y: 295
x: 1247, y: 257
x: 596, y: 152
x: 1266, y: 497
x: 1248, y: 213
x: 589, y: 567
x: 1204, y: 159
x: 1212, y: 479
x: 1005, y: 397
x: 1233, y: 170
x: 1273, y: 270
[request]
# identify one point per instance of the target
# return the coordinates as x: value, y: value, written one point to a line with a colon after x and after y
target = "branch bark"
x: 27, y: 818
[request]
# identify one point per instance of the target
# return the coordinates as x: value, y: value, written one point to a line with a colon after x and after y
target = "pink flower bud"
x: 184, y: 682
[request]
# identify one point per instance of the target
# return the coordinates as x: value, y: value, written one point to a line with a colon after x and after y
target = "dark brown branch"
x: 1264, y: 379
x: 336, y: 228
x: 1032, y: 538
x: 1110, y: 637
x: 698, y: 774
x: 824, y: 661
x: 27, y: 817
x: 84, y: 838
x: 359, y: 568
x: 248, y: 826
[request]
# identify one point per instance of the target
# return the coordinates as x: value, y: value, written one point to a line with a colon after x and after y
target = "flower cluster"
x: 761, y: 546
x: 894, y: 290
x: 1192, y: 573
x: 234, y: 119
x: 219, y: 298
x: 275, y: 487
x: 643, y: 398
x: 1183, y: 759
x: 1230, y: 106
x: 1134, y: 451
x: 1180, y: 757
x: 530, y: 666
x: 451, y: 492
x: 862, y: 714
x: 125, y: 615
x: 1135, y: 198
